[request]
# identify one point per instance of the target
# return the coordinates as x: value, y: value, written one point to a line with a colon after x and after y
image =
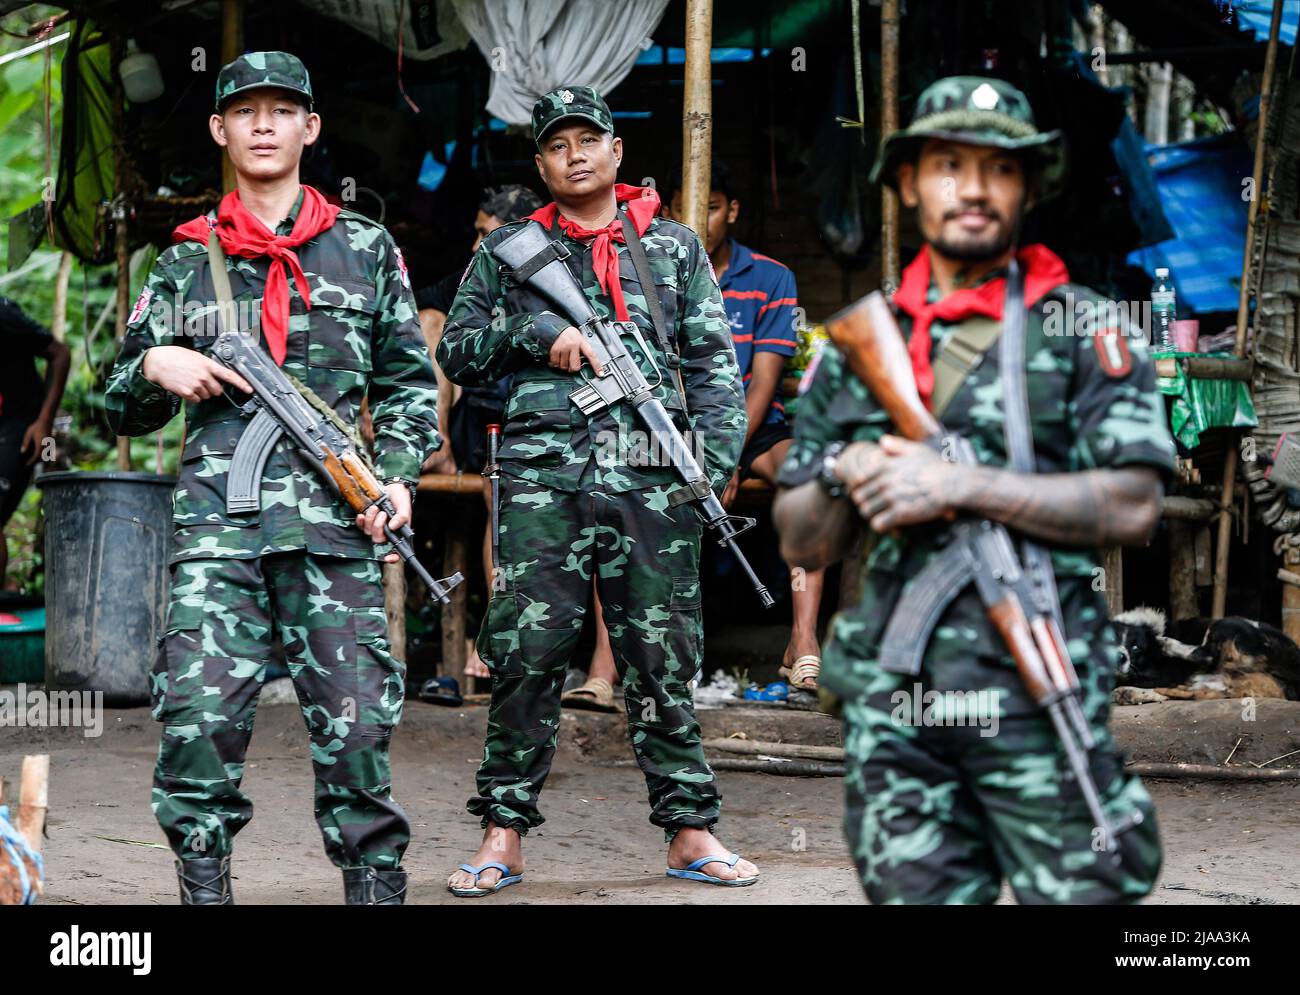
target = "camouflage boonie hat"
x: 512, y: 202
x: 253, y: 70
x: 570, y: 101
x: 976, y: 110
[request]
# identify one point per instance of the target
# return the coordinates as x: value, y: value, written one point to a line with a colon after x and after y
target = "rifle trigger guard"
x: 745, y: 524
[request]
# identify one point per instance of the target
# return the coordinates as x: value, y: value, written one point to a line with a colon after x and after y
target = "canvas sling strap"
x: 644, y: 277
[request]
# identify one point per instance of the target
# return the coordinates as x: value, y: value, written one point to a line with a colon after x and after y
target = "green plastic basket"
x: 22, y: 645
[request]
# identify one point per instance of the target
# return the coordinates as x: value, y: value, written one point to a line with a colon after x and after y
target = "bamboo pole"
x: 59, y: 319
x: 697, y: 115
x: 121, y: 250
x: 889, y: 15
x: 232, y: 44
x: 1220, y: 602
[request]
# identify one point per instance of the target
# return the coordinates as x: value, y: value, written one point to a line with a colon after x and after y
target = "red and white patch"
x: 141, y: 306
x: 712, y: 275
x: 1113, y: 354
x: 401, y: 268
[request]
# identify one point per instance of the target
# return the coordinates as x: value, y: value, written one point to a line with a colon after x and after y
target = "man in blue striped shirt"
x: 762, y: 308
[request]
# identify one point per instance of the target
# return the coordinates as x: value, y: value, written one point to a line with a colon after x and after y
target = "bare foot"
x: 501, y: 846
x: 474, y: 665
x: 800, y: 645
x: 689, y: 845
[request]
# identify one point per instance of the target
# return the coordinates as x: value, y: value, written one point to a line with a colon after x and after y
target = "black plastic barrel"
x: 107, y: 539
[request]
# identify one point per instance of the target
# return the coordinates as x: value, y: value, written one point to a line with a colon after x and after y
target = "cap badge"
x: 984, y: 97
x: 566, y: 96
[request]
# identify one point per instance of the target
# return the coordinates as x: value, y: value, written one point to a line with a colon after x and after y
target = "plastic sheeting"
x: 1204, y: 404
x: 1201, y: 190
x: 533, y: 46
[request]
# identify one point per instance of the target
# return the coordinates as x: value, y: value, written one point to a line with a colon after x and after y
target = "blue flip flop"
x: 692, y: 872
x: 507, y: 879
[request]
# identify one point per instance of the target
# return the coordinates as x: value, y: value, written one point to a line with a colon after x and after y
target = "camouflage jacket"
x: 1093, y: 404
x: 497, y: 328
x: 360, y: 339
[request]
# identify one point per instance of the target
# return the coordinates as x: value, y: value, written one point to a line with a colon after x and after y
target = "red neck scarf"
x: 242, y: 234
x: 642, y: 205
x: 1043, y: 270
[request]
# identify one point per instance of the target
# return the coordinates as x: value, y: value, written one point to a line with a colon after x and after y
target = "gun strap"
x: 554, y: 249
x: 962, y: 351
x: 644, y: 277
x: 1018, y: 432
x: 226, y: 318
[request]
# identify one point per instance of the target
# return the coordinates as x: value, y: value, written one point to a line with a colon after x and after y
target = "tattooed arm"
x: 904, y: 483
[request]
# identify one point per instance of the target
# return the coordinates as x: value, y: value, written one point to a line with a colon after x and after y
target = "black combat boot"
x: 373, y: 886
x: 205, y: 881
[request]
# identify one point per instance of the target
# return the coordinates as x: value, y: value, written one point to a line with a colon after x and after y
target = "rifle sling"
x: 644, y: 277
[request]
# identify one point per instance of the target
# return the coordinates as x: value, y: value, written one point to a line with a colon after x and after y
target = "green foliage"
x: 28, y: 158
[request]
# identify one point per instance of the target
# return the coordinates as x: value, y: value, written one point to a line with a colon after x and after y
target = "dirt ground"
x: 1226, y: 843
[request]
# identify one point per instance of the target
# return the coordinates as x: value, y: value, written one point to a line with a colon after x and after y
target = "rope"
x: 15, y: 846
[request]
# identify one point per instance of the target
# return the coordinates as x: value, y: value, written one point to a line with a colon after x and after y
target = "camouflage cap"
x: 254, y: 70
x: 570, y: 101
x: 976, y: 110
x: 512, y: 202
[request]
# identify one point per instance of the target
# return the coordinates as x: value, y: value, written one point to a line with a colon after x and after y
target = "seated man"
x: 26, y: 407
x: 759, y: 295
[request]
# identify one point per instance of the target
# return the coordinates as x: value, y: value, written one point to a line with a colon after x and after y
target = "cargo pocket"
x: 180, y: 647
x: 381, y: 677
x: 685, y: 630
x: 498, y: 638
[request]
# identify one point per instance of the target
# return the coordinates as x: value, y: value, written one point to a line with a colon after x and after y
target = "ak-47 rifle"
x: 278, y: 408
x: 982, y: 552
x: 536, y: 263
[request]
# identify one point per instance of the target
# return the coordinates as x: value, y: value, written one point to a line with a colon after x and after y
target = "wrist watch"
x: 826, y: 476
x: 410, y: 486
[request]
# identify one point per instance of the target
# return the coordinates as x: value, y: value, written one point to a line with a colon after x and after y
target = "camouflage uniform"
x: 575, y: 503
x: 940, y: 813
x: 299, y: 569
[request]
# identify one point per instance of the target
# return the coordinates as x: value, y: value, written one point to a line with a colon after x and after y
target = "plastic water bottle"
x: 1163, y: 307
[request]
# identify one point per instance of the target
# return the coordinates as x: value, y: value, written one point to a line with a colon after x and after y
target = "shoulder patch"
x: 1113, y: 355
x: 141, y: 306
x: 401, y: 267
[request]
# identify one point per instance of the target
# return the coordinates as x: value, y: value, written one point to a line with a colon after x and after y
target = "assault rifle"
x: 278, y: 408
x: 537, y: 263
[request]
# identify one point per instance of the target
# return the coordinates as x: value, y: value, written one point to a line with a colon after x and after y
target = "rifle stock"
x: 872, y: 344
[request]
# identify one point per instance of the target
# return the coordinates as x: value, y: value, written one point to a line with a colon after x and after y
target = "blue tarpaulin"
x: 1257, y: 15
x: 1202, y: 192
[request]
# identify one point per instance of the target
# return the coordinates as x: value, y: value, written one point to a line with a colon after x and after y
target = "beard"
x: 977, y: 248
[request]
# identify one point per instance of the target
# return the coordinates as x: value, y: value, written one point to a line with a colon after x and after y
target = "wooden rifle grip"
x: 345, y: 482
x: 361, y: 474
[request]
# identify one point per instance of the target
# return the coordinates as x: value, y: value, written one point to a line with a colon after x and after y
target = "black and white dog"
x: 1228, y: 658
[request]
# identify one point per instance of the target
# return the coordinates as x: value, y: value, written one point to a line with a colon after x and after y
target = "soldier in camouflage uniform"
x: 940, y: 811
x: 583, y: 497
x: 304, y: 568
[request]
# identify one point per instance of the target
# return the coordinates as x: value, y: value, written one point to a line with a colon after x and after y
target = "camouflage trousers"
x: 328, y: 613
x: 941, y: 810
x: 645, y: 557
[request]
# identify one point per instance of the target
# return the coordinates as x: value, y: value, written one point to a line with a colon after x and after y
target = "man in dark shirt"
x: 27, y: 406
